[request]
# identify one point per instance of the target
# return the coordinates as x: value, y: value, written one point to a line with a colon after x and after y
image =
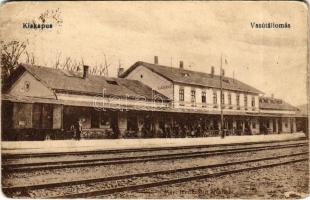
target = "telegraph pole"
x: 221, y: 98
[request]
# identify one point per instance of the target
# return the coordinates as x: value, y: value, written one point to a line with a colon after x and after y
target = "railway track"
x: 27, y: 167
x: 133, y: 150
x: 116, y: 184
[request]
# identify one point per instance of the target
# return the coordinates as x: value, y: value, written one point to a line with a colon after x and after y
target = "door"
x: 274, y: 127
x: 280, y: 125
x: 47, y: 116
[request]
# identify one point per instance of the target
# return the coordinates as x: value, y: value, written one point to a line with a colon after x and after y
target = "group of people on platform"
x: 195, y: 129
x: 77, y: 128
x: 169, y: 130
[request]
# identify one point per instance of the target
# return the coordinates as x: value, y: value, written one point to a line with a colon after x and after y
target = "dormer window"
x: 112, y: 82
x: 226, y: 80
x: 185, y: 74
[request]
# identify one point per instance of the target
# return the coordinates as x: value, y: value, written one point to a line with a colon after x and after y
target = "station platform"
x: 53, y: 146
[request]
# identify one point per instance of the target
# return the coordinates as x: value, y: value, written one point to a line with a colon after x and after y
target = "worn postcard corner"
x: 154, y: 99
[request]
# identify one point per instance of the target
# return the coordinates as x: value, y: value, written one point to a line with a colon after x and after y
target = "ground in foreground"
x: 287, y: 181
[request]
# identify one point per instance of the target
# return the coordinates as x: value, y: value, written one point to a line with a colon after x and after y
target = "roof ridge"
x: 59, y: 69
x: 176, y: 68
x: 214, y: 75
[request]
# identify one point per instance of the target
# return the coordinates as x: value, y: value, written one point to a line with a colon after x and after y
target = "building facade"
x: 148, y: 100
x: 245, y: 109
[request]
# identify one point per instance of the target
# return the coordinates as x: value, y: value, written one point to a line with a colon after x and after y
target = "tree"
x: 105, y: 70
x: 30, y: 59
x: 51, y: 16
x: 57, y: 61
x: 11, y: 53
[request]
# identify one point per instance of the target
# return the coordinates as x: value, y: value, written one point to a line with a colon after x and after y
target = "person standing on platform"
x: 79, y: 128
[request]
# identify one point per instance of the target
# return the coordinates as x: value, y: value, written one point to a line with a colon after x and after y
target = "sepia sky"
x: 272, y: 60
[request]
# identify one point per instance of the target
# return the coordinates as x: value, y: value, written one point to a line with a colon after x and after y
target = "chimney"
x: 272, y: 95
x: 181, y: 65
x: 223, y: 72
x: 156, y: 60
x: 212, y: 71
x: 120, y: 71
x: 85, y: 71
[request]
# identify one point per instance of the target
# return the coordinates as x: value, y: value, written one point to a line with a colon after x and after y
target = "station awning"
x: 25, y: 99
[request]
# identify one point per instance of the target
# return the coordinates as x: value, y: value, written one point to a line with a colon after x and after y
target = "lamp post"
x: 221, y: 101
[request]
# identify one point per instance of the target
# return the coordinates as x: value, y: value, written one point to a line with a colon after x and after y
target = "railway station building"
x: 245, y: 109
x: 147, y: 100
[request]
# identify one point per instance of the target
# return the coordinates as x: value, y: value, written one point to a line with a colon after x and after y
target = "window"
x: 229, y: 98
x: 181, y: 94
x: 193, y: 97
x: 254, y: 125
x: 253, y: 102
x: 223, y: 98
x: 132, y: 122
x: 214, y: 97
x: 26, y: 86
x: 203, y: 97
x: 94, y: 119
x: 245, y: 101
x: 238, y: 99
x: 42, y: 116
x: 104, y: 119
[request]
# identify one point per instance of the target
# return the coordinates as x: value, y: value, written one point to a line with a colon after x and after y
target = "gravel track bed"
x: 69, y: 174
x: 289, y: 181
x: 121, y: 155
x: 148, y: 179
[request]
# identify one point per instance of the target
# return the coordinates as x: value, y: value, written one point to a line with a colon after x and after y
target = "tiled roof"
x: 72, y: 82
x: 270, y: 103
x: 178, y: 75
